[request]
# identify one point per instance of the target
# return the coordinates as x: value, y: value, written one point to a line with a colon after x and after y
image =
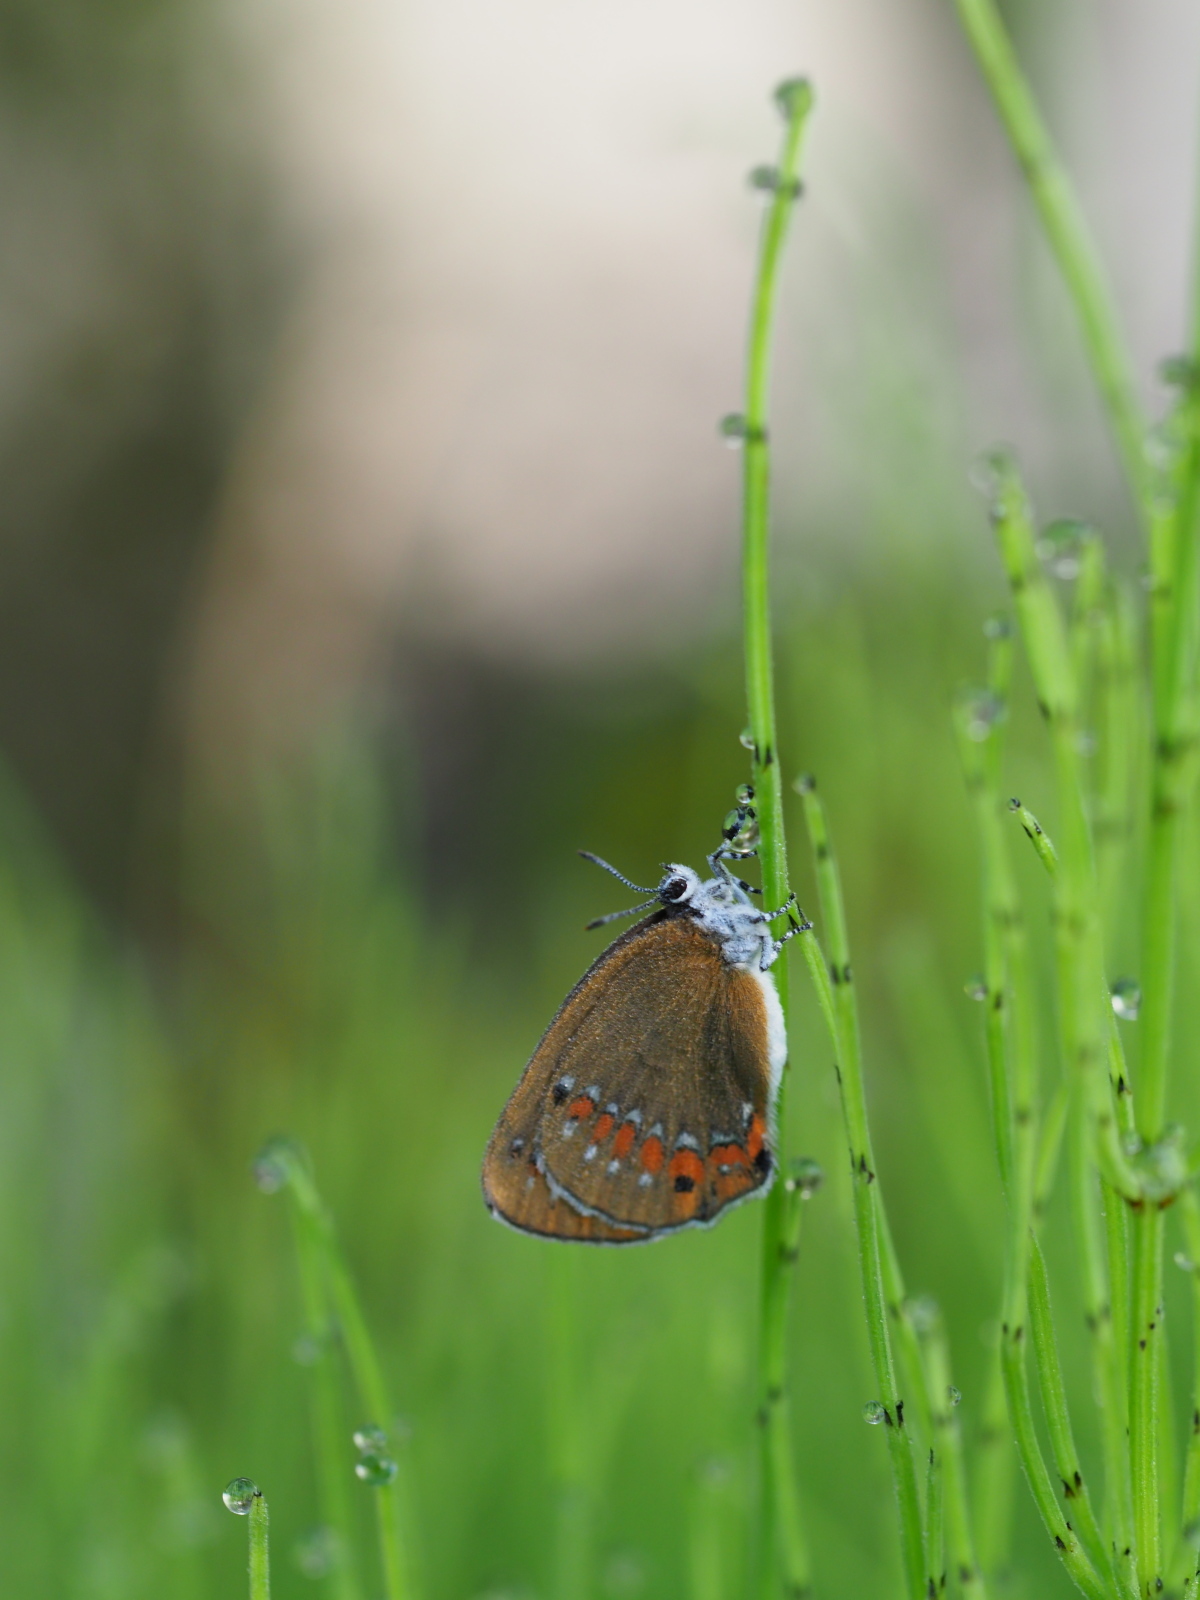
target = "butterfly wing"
x: 647, y: 1104
x: 522, y: 1197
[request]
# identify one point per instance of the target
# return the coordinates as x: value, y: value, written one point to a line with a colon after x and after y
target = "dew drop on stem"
x: 1126, y: 999
x: 375, y: 1468
x: 239, y: 1495
x: 370, y: 1437
x: 975, y: 988
x: 953, y: 1395
x: 732, y: 428
x: 804, y: 1177
x: 874, y: 1413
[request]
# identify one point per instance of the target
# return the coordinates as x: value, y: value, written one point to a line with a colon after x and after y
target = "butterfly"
x: 649, y: 1104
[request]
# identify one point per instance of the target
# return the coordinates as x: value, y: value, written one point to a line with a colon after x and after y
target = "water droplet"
x: 746, y: 738
x: 1127, y: 999
x: 371, y: 1437
x: 981, y: 711
x: 1132, y: 1144
x: 1184, y: 1262
x: 317, y: 1552
x: 804, y: 1177
x: 923, y: 1313
x: 874, y: 1413
x: 375, y: 1469
x: 732, y: 429
x: 975, y: 988
x: 307, y: 1350
x: 953, y: 1395
x: 997, y: 627
x: 745, y: 794
x: 746, y: 837
x: 989, y: 473
x: 769, y: 180
x: 239, y: 1494
x: 271, y: 1165
x: 1178, y: 372
x: 1060, y: 545
x: 793, y: 97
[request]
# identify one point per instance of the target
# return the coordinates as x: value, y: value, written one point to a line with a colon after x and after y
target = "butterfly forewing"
x: 646, y: 1105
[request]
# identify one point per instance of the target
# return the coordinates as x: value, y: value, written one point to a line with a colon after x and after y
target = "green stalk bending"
x: 835, y: 989
x: 782, y: 1545
x: 1066, y: 232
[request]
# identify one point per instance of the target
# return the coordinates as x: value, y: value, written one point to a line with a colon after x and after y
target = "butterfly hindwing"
x: 646, y: 1106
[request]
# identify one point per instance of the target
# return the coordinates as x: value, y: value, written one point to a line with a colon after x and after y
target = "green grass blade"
x: 1066, y: 232
x: 780, y: 1529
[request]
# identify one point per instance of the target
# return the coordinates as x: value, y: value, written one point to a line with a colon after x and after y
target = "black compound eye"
x: 675, y: 888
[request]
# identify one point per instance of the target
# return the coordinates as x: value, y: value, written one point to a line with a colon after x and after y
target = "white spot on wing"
x: 590, y: 1153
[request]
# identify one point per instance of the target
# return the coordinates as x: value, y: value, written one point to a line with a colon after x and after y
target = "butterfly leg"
x: 772, y: 947
x: 769, y: 916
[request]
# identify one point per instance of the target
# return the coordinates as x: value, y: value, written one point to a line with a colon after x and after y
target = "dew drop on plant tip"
x: 239, y: 1495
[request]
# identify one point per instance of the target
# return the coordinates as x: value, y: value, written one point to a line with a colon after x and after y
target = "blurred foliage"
x: 369, y: 972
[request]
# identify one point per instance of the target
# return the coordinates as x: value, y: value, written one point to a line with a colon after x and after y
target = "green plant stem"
x: 781, y: 1537
x: 1016, y: 1382
x: 1081, y: 982
x: 1058, y: 1420
x: 391, y: 1499
x: 1145, y: 1327
x: 835, y: 989
x: 947, y: 1456
x: 1174, y: 648
x: 1189, y: 1207
x: 330, y: 1436
x: 793, y: 1565
x: 571, y: 1544
x: 260, y: 1555
x: 1066, y: 232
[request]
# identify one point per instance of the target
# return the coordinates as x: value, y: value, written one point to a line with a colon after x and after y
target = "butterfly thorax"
x: 721, y: 908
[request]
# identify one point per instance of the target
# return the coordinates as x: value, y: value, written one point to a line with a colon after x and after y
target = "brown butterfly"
x: 648, y: 1106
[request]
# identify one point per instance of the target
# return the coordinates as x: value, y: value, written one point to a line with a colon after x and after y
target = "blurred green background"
x: 366, y: 549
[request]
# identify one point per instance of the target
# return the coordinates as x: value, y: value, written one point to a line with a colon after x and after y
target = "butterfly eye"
x: 676, y: 889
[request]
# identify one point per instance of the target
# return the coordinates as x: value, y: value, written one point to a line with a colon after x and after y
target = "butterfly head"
x: 678, y: 886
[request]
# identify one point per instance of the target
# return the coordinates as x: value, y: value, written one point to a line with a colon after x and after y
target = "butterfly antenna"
x: 636, y: 887
x: 615, y: 916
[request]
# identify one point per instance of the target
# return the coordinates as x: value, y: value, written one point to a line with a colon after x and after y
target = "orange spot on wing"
x: 603, y: 1128
x: 623, y: 1143
x: 756, y: 1137
x: 652, y: 1153
x: 686, y: 1174
x: 582, y: 1106
x: 728, y: 1155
